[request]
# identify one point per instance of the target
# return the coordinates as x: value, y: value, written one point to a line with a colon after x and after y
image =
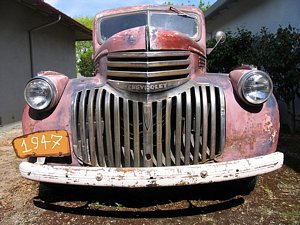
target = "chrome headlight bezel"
x: 261, y: 95
x: 51, y: 91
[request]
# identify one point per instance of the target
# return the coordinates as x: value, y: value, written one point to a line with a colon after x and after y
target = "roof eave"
x: 216, y: 8
x: 82, y: 33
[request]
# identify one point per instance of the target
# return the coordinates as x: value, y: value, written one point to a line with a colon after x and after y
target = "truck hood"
x: 147, y: 38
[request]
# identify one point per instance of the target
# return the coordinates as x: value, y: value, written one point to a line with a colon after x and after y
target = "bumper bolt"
x: 99, y: 177
x: 203, y: 174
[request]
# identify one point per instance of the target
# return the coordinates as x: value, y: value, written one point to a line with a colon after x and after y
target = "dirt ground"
x: 275, y: 200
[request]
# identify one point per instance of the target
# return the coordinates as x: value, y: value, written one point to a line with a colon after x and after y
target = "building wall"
x: 254, y: 14
x: 53, y: 49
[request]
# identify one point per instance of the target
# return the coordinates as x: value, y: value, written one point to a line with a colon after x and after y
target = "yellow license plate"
x: 45, y: 143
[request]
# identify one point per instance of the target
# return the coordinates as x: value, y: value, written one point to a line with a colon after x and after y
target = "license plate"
x: 44, y: 143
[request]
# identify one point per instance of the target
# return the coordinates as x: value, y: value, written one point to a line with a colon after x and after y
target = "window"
x: 185, y: 24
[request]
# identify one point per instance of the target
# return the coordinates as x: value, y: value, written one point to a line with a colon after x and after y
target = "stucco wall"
x: 53, y: 49
x: 254, y: 14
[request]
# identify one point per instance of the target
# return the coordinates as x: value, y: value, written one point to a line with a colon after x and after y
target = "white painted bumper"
x: 155, y: 176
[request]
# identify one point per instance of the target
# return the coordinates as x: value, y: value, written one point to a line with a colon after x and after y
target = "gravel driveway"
x: 275, y: 200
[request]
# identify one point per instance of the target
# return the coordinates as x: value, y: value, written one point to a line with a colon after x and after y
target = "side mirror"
x: 220, y: 38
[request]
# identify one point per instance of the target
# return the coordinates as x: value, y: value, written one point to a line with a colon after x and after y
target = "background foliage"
x: 84, y: 51
x: 202, y: 5
x: 278, y: 54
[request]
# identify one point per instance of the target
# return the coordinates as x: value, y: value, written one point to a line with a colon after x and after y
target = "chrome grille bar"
x: 126, y: 132
x: 202, y: 61
x: 117, y: 139
x: 159, y: 133
x: 99, y: 126
x: 212, y: 122
x: 109, y: 130
x: 136, y: 64
x: 75, y: 126
x: 204, y: 122
x: 168, y: 132
x: 221, y: 121
x: 152, y: 54
x: 148, y: 66
x: 178, y: 130
x: 197, y: 125
x: 140, y: 74
x: 148, y: 135
x: 82, y: 119
x: 91, y: 127
x: 188, y: 123
x: 136, y: 136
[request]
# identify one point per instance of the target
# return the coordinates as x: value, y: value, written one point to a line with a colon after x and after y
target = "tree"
x: 204, y: 6
x: 84, y: 50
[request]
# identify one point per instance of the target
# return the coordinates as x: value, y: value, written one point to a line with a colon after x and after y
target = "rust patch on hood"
x: 131, y: 39
x: 160, y: 39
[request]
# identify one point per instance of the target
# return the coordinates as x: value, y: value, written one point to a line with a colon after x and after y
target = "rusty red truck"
x: 152, y: 115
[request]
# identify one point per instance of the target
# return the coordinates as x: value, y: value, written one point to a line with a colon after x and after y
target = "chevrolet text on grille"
x: 146, y: 87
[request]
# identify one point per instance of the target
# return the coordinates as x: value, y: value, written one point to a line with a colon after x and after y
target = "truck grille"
x: 148, y: 66
x: 113, y: 131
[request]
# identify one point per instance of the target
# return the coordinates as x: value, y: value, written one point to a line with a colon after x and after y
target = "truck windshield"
x: 180, y: 23
x: 169, y: 21
x: 112, y: 25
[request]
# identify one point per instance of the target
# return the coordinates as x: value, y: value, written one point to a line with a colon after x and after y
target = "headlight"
x: 255, y: 87
x: 39, y: 93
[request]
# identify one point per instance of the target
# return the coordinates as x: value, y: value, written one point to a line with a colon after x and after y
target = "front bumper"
x: 153, y: 176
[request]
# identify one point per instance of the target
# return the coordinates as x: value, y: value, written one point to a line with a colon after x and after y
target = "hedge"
x: 276, y: 53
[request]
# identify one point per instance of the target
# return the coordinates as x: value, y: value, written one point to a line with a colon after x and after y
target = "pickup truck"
x: 152, y: 115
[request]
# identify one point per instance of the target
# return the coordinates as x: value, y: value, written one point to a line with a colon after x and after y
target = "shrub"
x: 278, y: 54
x: 85, y: 64
x: 84, y: 50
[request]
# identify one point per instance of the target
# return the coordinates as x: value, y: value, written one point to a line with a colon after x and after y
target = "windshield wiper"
x: 179, y: 12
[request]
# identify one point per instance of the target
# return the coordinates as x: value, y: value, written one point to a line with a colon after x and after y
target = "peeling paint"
x: 164, y: 176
